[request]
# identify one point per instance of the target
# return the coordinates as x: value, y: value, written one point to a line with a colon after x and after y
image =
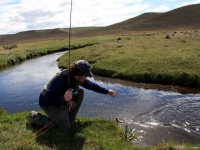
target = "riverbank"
x: 88, y: 134
x: 16, y: 52
x: 161, y: 58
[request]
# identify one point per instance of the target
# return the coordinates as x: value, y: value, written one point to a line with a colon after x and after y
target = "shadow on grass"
x: 64, y: 139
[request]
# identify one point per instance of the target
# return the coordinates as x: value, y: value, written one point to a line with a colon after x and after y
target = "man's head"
x: 80, y: 70
x: 83, y: 67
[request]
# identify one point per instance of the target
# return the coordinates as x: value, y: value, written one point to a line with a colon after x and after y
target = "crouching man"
x: 61, y: 97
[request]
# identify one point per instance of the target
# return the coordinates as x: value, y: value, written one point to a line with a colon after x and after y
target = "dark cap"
x: 84, y: 66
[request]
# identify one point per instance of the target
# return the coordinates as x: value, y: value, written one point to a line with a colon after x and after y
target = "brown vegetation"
x: 9, y: 47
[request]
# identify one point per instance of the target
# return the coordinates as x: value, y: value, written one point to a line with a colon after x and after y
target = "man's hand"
x: 111, y: 93
x: 68, y: 95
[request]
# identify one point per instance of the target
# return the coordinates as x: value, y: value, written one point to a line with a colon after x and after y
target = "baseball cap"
x: 84, y: 66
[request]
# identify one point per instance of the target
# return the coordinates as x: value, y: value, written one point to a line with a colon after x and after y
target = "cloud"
x: 188, y: 3
x: 32, y: 14
x: 160, y: 9
x: 23, y: 15
x: 103, y: 13
x: 4, y: 2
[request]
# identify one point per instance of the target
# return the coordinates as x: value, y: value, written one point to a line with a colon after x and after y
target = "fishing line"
x: 71, y: 103
x: 39, y: 132
x: 69, y: 61
x: 36, y: 136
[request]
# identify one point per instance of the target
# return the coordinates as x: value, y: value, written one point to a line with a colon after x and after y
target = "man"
x: 61, y: 97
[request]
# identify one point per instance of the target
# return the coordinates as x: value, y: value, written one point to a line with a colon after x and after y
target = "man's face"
x: 80, y: 78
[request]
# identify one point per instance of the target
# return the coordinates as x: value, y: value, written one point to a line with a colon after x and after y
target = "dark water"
x: 157, y: 115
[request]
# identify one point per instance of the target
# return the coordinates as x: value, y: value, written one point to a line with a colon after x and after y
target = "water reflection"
x: 156, y: 115
x: 21, y: 84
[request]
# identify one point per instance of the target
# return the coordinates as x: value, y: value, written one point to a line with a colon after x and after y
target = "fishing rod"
x: 69, y: 37
x: 71, y: 103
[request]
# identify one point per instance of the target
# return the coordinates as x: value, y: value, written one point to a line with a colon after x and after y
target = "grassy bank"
x: 88, y: 134
x: 13, y: 53
x: 164, y: 58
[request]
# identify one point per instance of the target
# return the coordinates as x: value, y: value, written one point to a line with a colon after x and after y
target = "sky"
x: 24, y: 15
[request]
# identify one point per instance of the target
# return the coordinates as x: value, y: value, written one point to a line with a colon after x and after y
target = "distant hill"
x: 186, y: 17
x: 39, y: 34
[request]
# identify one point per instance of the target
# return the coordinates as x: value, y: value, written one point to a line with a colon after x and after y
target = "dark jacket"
x: 53, y: 92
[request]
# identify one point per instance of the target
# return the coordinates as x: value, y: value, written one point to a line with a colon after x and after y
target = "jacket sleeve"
x: 94, y: 87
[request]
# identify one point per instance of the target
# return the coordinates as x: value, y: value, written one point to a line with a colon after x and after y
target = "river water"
x: 157, y: 115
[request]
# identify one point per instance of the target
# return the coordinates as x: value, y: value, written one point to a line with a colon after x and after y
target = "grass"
x: 149, y: 58
x: 97, y: 134
x: 31, y: 49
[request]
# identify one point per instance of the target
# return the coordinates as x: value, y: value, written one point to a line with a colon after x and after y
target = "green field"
x: 149, y: 58
x: 16, y: 52
x: 96, y: 134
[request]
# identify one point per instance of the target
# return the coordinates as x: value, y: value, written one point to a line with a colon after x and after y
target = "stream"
x: 157, y: 115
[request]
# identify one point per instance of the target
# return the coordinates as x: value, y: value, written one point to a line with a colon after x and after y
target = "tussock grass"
x: 149, y: 58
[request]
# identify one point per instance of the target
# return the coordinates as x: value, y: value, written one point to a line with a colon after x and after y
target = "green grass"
x: 149, y: 58
x: 97, y: 134
x: 32, y: 49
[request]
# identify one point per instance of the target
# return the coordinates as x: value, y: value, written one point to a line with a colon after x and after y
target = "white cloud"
x: 105, y: 12
x: 188, y: 3
x: 42, y: 14
x: 11, y: 23
x: 32, y: 14
x: 160, y: 9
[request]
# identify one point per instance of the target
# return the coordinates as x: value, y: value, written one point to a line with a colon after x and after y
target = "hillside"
x: 39, y: 34
x: 181, y: 18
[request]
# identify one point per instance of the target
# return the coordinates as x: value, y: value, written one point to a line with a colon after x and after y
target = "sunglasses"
x: 82, y: 74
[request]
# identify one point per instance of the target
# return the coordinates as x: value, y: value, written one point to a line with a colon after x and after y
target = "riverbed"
x: 157, y: 114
